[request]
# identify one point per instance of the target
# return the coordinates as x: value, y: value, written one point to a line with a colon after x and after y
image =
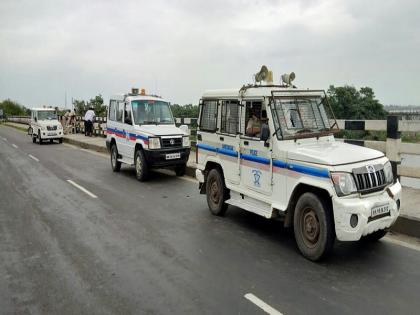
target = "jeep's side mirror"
x: 265, y: 133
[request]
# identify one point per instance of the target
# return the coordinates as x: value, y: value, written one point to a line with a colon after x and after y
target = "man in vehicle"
x: 253, y: 126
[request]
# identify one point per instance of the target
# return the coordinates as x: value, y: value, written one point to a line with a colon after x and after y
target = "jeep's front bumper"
x: 362, y: 206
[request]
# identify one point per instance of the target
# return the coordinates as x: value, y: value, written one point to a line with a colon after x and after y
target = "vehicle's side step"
x: 250, y: 204
x: 126, y: 162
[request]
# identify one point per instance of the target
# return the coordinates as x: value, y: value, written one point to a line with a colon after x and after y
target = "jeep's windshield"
x: 151, y: 112
x: 47, y: 115
x: 296, y: 116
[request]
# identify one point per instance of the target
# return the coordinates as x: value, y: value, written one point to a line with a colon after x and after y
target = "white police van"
x: 141, y: 131
x: 270, y: 149
x: 44, y: 125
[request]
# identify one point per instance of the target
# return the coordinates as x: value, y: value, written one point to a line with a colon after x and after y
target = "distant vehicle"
x: 141, y: 131
x: 270, y: 149
x: 44, y: 125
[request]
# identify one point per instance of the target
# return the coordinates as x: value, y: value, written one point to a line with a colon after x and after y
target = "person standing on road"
x: 89, y: 119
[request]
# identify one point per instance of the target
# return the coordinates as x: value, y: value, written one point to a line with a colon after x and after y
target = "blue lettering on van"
x: 253, y: 152
x: 227, y: 147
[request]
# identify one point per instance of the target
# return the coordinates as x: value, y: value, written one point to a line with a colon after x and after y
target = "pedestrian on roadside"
x: 89, y: 119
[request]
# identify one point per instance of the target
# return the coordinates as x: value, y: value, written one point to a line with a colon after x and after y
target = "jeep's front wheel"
x: 313, y: 227
x: 217, y: 193
x: 142, y: 170
x: 180, y: 170
x: 115, y: 164
x: 39, y: 137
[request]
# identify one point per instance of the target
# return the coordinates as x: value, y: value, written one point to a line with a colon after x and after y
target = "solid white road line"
x: 5, y: 139
x: 15, y: 146
x: 402, y: 243
x: 33, y: 158
x: 261, y: 304
x: 82, y: 189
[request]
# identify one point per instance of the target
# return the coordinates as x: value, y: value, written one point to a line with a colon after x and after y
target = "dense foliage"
x: 12, y: 108
x: 81, y: 106
x: 189, y: 111
x: 349, y: 103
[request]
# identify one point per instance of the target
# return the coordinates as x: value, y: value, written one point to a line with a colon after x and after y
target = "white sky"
x: 181, y: 48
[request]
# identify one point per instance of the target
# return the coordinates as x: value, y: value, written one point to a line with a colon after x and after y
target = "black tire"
x: 313, y: 226
x: 180, y: 170
x: 60, y: 140
x: 375, y: 236
x: 39, y: 137
x: 216, y: 192
x: 51, y: 140
x: 115, y: 164
x: 33, y: 139
x: 140, y: 163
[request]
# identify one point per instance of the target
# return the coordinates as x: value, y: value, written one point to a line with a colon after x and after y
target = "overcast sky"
x: 180, y: 48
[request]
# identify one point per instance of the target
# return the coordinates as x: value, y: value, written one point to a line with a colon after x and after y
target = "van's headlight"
x: 343, y: 183
x: 389, y: 176
x: 186, y: 141
x: 59, y: 127
x: 154, y: 143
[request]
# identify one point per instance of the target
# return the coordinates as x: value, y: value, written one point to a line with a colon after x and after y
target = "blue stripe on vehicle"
x: 206, y: 147
x: 253, y: 158
x: 279, y: 163
x: 227, y: 152
x: 314, y: 171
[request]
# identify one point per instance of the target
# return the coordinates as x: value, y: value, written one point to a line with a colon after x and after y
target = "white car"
x: 44, y: 125
x: 141, y: 131
x: 284, y: 163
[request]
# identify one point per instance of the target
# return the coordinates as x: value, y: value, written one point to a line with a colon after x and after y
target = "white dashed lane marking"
x: 33, y: 158
x: 261, y: 304
x: 82, y: 189
x: 15, y: 146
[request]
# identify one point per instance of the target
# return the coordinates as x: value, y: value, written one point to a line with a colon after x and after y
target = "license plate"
x: 380, y: 210
x: 52, y: 134
x: 172, y: 156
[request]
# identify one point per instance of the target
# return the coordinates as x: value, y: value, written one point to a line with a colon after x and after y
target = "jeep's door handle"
x: 246, y: 143
x: 222, y: 139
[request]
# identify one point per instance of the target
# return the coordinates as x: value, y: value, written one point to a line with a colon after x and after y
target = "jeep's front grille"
x: 51, y: 127
x: 370, y: 178
x: 171, y: 142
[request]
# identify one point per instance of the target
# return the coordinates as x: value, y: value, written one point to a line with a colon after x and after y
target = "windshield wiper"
x: 149, y: 122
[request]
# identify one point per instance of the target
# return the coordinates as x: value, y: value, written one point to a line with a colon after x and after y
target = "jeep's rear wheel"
x: 313, y: 227
x: 142, y: 170
x: 39, y: 137
x: 217, y: 193
x: 115, y: 164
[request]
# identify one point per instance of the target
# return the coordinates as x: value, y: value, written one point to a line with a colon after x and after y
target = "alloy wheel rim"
x: 138, y: 165
x: 214, y: 192
x: 113, y: 157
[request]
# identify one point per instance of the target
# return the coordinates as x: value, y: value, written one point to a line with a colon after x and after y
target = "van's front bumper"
x: 362, y: 206
x: 47, y: 135
x: 157, y: 158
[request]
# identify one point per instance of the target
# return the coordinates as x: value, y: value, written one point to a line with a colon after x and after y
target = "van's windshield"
x: 151, y: 112
x: 297, y: 116
x: 47, y: 115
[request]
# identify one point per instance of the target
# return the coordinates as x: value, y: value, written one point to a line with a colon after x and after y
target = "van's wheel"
x: 115, y: 164
x: 39, y: 137
x: 33, y: 138
x: 60, y: 140
x: 180, y: 170
x: 30, y: 132
x: 217, y: 193
x: 375, y: 236
x: 51, y: 140
x: 142, y: 170
x: 313, y: 227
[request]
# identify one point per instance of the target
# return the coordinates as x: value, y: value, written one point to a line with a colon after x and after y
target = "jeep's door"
x: 130, y: 139
x: 229, y: 140
x: 256, y: 155
x: 120, y: 130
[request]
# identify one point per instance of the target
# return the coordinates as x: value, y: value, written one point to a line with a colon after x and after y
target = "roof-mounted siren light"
x: 264, y: 75
x: 135, y: 91
x: 287, y: 78
x: 143, y: 92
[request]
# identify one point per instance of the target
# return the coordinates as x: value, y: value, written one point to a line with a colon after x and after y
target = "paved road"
x: 153, y: 248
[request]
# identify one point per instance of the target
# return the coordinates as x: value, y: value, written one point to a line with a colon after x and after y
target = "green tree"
x: 182, y: 111
x: 349, y: 103
x: 12, y: 108
x: 79, y: 107
x: 98, y: 105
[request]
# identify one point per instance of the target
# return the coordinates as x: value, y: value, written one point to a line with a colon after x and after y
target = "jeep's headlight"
x: 59, y: 127
x: 154, y: 143
x: 186, y: 141
x: 343, y: 183
x: 43, y: 128
x: 389, y: 176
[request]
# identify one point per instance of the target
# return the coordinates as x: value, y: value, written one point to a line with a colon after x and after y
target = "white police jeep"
x: 270, y: 149
x: 44, y: 125
x: 141, y: 131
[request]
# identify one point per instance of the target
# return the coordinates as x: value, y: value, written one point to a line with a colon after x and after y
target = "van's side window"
x: 111, y: 113
x: 127, y: 114
x: 208, y: 121
x: 253, y: 118
x: 230, y: 117
x: 120, y: 110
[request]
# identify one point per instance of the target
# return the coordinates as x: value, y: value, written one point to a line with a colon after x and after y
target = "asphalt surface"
x: 154, y: 248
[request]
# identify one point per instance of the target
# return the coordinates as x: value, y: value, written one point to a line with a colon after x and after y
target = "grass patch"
x: 411, y: 137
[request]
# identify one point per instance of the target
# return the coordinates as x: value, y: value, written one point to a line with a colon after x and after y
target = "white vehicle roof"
x: 259, y: 91
x: 122, y: 97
